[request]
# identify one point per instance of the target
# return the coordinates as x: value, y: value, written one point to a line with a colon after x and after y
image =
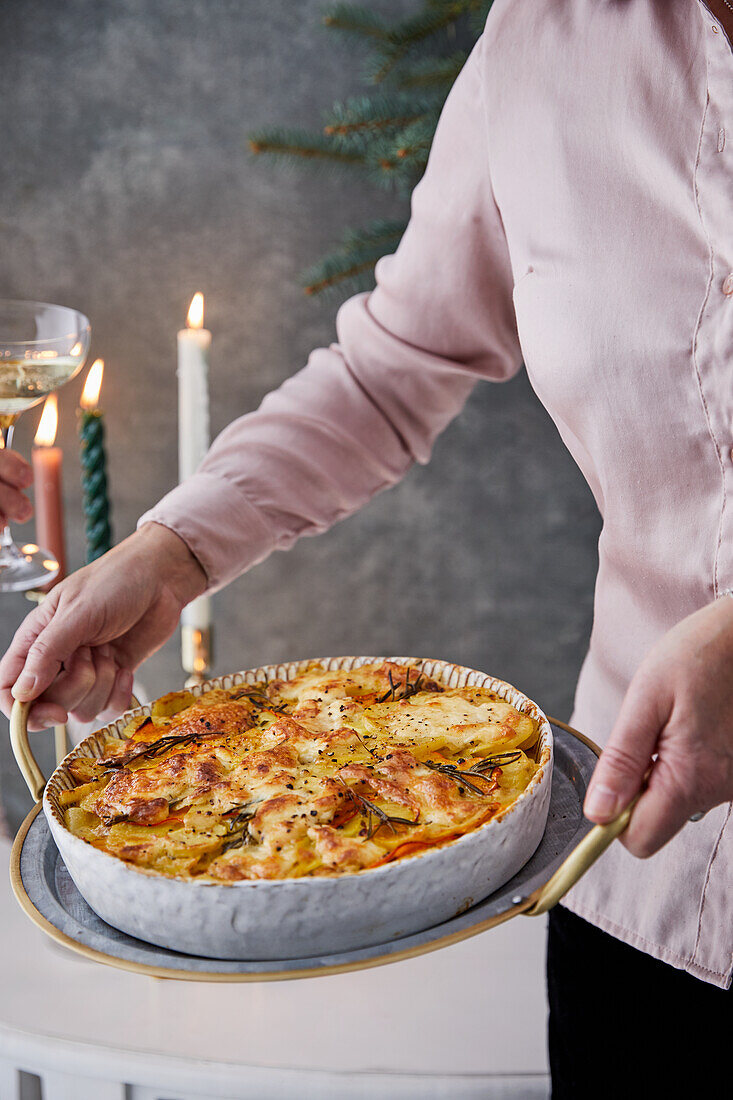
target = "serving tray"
x: 45, y: 891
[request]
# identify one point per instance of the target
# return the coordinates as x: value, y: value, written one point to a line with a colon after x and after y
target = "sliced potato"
x: 171, y: 704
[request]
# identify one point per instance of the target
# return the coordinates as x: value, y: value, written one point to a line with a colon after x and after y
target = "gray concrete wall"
x: 125, y: 185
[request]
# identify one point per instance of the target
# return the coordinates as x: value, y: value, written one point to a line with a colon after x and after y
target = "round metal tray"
x: 46, y: 892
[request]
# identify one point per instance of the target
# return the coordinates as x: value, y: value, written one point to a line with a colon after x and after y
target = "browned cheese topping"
x: 329, y: 773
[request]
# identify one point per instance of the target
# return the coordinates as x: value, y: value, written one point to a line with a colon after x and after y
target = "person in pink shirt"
x: 576, y: 215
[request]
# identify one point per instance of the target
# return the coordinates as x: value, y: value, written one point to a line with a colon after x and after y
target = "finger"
x: 15, y: 470
x: 43, y: 716
x: 14, y: 504
x: 659, y: 814
x: 681, y: 783
x: 620, y: 772
x: 120, y: 696
x: 74, y: 683
x: 46, y: 713
x: 96, y: 699
x: 55, y: 645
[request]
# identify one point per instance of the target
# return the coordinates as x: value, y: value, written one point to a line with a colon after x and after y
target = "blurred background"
x: 127, y: 185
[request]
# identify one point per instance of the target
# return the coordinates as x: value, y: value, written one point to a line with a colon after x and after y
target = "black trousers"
x: 625, y: 1025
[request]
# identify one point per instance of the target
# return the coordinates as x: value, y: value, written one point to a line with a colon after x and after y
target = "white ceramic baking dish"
x: 298, y: 918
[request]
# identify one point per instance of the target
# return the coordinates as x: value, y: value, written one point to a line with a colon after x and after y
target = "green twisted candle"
x: 94, y: 483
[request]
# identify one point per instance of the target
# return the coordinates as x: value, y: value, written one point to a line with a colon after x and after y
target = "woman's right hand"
x: 77, y: 651
x: 15, y: 475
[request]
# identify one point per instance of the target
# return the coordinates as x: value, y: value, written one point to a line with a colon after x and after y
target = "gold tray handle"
x: 22, y: 752
x: 577, y: 863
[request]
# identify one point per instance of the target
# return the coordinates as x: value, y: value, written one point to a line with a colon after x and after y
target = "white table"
x: 464, y: 1022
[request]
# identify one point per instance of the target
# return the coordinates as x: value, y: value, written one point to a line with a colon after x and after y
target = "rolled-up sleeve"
x: 354, y: 419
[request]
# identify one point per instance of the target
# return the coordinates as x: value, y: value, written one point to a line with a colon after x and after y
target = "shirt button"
x: 728, y: 285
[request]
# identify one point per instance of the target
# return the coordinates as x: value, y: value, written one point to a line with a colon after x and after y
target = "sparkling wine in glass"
x: 41, y: 347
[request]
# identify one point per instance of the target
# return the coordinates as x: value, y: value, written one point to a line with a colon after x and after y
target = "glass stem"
x: 6, y: 539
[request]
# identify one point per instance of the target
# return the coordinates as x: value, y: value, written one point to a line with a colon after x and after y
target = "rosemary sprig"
x: 411, y: 688
x: 239, y: 833
x: 496, y: 761
x: 371, y: 811
x: 363, y: 744
x: 149, y: 751
x: 488, y: 765
x: 460, y: 777
x: 260, y: 700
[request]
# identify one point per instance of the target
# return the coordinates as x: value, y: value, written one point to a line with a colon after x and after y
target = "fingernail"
x: 601, y: 802
x: 23, y: 686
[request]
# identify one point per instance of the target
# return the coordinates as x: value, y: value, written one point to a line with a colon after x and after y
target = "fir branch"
x: 433, y: 72
x: 302, y: 145
x: 362, y: 116
x: 399, y: 161
x: 353, y: 264
x: 352, y: 19
x: 387, y: 137
x: 416, y: 28
x: 405, y: 37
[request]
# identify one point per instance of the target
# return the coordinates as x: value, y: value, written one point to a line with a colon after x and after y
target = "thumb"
x: 620, y: 772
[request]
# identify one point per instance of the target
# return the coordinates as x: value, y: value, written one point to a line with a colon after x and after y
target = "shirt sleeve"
x: 355, y: 418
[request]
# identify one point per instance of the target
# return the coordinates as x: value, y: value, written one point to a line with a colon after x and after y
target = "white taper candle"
x: 194, y: 343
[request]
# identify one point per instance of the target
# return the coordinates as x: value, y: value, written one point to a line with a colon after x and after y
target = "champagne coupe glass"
x: 41, y: 347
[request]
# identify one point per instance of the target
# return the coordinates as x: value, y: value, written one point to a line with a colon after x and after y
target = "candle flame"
x: 47, y: 425
x: 199, y: 660
x: 92, y: 386
x: 195, y: 317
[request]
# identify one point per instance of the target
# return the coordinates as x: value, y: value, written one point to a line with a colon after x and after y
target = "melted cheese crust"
x: 330, y: 773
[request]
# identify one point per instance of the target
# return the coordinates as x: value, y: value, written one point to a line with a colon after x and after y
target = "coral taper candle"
x: 194, y: 344
x: 94, y: 466
x: 47, y: 466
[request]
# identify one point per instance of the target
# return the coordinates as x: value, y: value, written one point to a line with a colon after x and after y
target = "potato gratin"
x: 328, y: 773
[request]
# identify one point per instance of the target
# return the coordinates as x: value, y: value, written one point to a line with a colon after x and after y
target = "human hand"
x: 679, y: 706
x: 77, y: 651
x: 15, y: 475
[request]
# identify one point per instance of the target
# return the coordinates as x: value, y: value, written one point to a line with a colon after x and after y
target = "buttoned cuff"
x: 224, y: 532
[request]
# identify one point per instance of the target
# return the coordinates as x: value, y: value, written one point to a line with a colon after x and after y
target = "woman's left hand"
x: 679, y: 706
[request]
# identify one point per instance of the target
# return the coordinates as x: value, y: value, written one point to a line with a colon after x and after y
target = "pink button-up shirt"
x: 576, y: 214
